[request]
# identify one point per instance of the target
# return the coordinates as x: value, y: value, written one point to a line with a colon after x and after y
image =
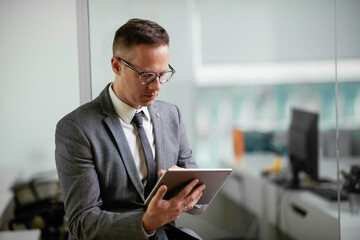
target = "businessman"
x: 111, y: 151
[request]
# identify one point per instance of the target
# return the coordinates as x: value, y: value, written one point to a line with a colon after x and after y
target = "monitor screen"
x: 303, y: 144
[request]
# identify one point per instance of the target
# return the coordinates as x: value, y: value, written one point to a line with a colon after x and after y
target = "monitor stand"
x: 295, y: 170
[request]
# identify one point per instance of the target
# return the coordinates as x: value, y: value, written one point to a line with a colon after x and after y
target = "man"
x: 103, y: 164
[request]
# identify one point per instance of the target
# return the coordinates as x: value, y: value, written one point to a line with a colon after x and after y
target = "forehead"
x: 150, y: 58
x: 148, y: 52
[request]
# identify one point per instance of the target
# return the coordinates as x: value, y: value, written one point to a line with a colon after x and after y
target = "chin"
x: 148, y: 103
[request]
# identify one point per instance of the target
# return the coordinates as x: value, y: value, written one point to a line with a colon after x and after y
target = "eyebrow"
x: 142, y: 71
x: 168, y: 67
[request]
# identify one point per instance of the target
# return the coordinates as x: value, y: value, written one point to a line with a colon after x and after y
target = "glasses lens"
x: 165, y: 77
x: 146, y: 78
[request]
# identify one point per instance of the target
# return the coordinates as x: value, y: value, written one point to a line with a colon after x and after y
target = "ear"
x: 116, y: 66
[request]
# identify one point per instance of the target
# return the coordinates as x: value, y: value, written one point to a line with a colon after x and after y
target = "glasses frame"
x: 157, y: 75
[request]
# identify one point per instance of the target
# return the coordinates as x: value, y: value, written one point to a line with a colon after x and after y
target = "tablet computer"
x: 177, y: 178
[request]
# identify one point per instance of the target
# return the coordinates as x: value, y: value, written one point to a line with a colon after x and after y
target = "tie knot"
x: 137, y: 119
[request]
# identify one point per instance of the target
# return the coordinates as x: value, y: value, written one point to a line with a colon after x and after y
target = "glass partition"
x: 242, y: 66
x: 348, y: 108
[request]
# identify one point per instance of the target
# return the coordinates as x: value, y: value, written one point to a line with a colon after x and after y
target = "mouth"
x: 151, y: 96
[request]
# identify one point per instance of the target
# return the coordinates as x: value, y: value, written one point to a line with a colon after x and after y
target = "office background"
x: 222, y: 52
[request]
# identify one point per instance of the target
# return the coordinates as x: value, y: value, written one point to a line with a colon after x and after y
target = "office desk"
x: 300, y: 214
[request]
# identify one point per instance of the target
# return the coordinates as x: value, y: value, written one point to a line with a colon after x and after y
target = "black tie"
x: 138, y: 120
x: 151, y: 178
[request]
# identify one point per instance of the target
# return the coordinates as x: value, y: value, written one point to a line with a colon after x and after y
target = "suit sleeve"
x: 186, y: 160
x: 81, y: 190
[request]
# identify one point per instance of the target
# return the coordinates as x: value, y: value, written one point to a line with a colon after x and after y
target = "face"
x: 145, y: 58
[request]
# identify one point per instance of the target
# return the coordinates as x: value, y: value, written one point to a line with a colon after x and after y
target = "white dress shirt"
x: 126, y: 114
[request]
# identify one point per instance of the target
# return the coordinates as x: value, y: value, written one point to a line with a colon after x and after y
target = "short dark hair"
x: 138, y: 31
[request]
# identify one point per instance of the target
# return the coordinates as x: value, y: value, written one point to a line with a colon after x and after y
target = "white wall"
x: 278, y: 30
x: 264, y: 30
x: 38, y: 77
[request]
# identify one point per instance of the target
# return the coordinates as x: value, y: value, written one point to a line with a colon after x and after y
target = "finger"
x: 191, y: 205
x: 159, y: 194
x: 198, y: 190
x: 194, y: 197
x: 161, y: 172
x: 175, y: 166
x: 186, y: 190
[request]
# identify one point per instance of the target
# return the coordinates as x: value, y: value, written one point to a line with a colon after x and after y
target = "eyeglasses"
x: 149, y: 77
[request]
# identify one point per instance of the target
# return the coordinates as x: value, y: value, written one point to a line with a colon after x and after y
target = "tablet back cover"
x: 176, y: 179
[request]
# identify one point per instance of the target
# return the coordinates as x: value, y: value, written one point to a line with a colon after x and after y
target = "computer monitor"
x: 303, y: 145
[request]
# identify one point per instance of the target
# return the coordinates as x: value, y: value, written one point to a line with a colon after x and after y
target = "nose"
x: 155, y: 85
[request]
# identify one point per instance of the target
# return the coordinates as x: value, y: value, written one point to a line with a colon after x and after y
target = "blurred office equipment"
x: 300, y: 201
x: 304, y: 155
x: 352, y: 187
x: 239, y: 145
x: 38, y: 205
x: 296, y: 213
x: 303, y: 145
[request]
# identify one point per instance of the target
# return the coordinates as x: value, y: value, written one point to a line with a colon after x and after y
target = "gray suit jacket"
x: 102, y: 192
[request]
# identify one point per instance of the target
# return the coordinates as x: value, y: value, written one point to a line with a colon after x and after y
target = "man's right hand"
x: 161, y: 212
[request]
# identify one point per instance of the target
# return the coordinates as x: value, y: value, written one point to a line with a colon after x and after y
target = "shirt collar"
x: 123, y: 110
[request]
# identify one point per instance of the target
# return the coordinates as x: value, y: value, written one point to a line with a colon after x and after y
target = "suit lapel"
x: 112, y: 121
x: 160, y: 149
